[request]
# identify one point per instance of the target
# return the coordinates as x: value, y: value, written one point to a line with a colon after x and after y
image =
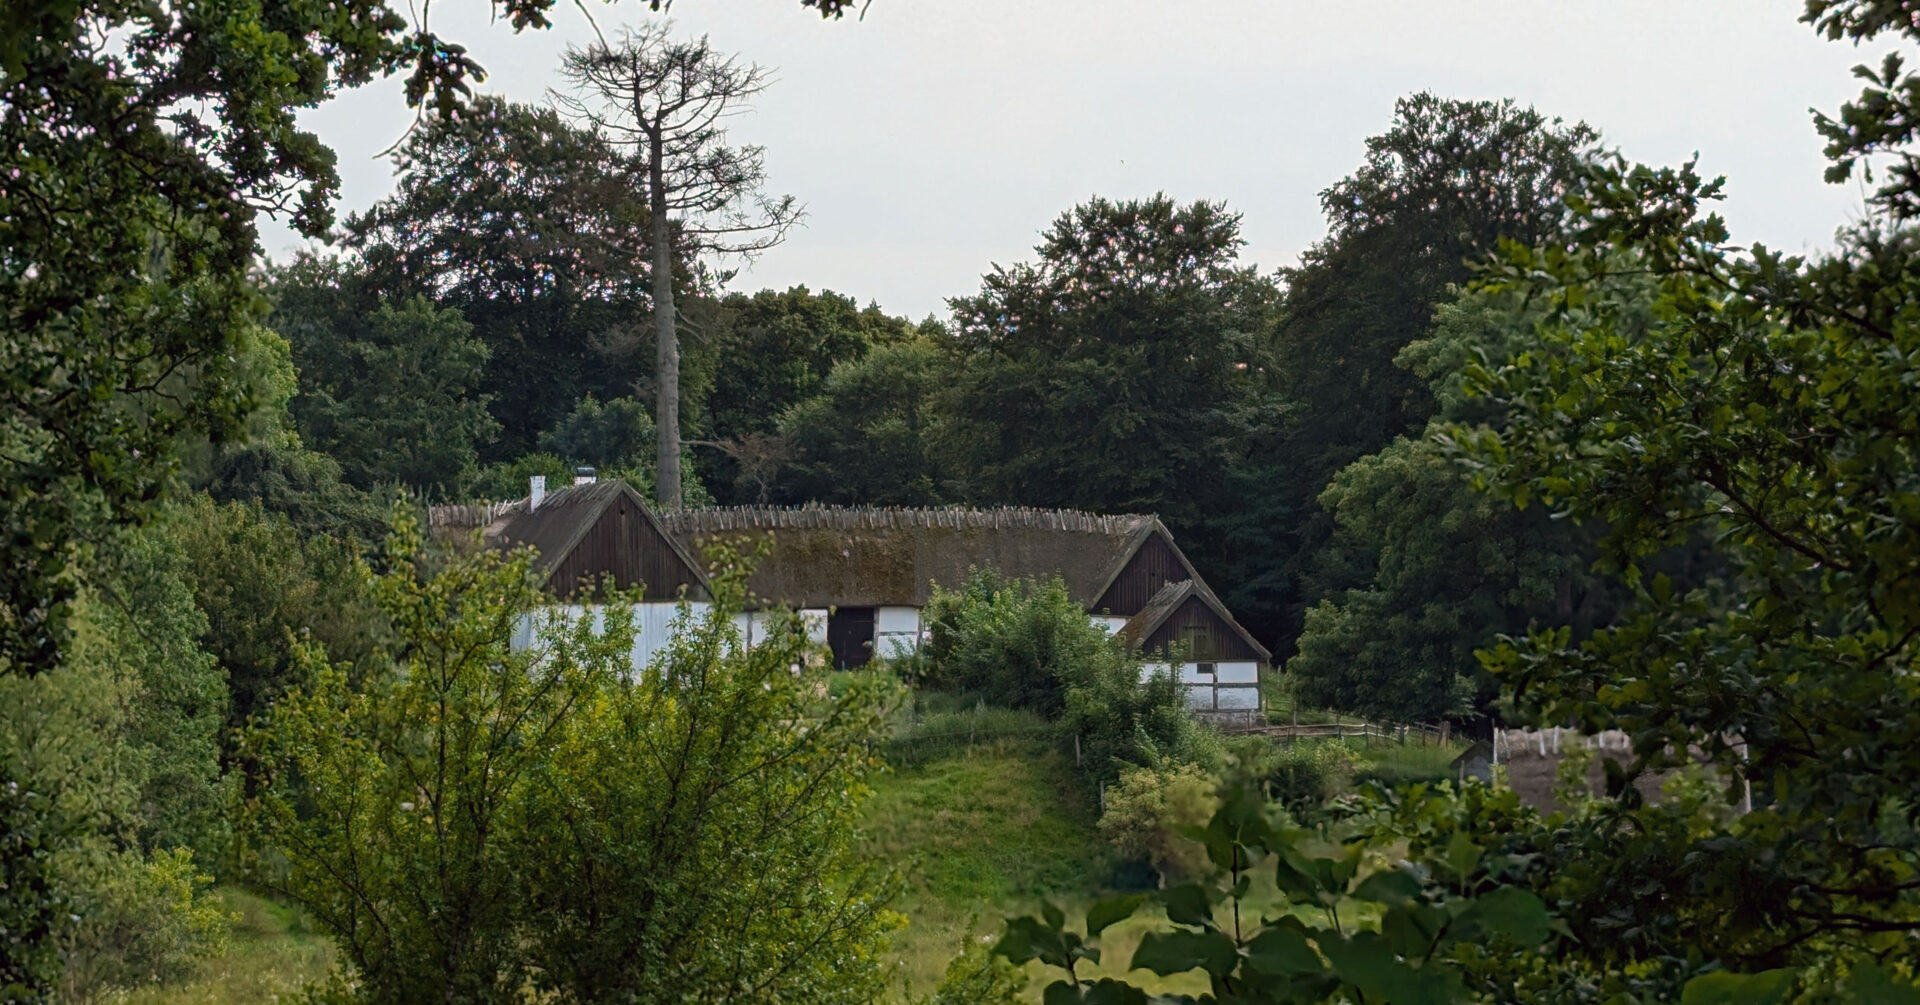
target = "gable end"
x: 1207, y: 637
x: 624, y: 542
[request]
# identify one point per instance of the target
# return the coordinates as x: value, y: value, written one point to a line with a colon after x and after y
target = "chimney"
x: 583, y: 476
x: 536, y: 491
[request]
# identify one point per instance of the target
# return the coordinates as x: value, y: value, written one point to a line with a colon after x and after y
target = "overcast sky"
x: 936, y: 137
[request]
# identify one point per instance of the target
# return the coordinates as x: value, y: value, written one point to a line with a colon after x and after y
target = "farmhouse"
x: 862, y: 576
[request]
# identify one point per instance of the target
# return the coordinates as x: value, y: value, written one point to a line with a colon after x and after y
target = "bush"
x: 1015, y: 643
x: 1303, y: 773
x: 506, y: 480
x: 1147, y: 810
x: 478, y: 818
x: 1029, y: 645
x: 979, y: 976
x: 137, y: 921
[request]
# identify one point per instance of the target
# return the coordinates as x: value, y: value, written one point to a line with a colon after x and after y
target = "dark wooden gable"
x: 1153, y: 566
x: 623, y: 541
x: 1205, y: 636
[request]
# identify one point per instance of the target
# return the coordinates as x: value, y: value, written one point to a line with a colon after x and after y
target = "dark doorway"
x: 850, y: 636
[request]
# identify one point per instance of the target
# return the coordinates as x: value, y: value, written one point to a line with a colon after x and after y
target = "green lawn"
x: 1396, y: 764
x: 980, y: 834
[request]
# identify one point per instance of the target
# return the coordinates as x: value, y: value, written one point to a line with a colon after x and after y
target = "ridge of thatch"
x: 869, y: 556
x: 721, y: 519
x: 456, y: 516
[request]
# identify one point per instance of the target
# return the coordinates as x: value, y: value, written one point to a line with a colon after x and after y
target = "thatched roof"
x: 826, y: 556
x: 875, y: 557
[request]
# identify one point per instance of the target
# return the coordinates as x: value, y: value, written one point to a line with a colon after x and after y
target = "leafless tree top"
x: 666, y: 101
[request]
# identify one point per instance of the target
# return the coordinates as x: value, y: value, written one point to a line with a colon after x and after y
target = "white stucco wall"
x: 1247, y: 672
x: 1109, y: 623
x: 896, y: 631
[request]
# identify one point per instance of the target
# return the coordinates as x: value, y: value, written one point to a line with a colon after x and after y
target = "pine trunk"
x: 666, y: 369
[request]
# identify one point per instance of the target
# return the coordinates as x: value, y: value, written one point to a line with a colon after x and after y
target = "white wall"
x: 653, y: 623
x: 1227, y: 685
x: 815, y: 619
x: 896, y: 631
x: 752, y: 626
x: 1109, y: 623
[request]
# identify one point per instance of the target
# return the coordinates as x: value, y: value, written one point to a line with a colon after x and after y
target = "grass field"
x: 1395, y: 764
x: 980, y: 834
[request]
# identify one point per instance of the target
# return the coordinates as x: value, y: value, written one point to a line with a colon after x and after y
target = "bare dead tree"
x: 759, y: 456
x: 665, y: 102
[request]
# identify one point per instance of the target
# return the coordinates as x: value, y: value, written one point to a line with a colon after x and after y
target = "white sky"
x: 936, y: 137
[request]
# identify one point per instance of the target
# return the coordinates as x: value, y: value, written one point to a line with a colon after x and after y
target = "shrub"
x: 1015, y: 643
x: 1029, y: 645
x: 1305, y: 773
x: 510, y: 479
x: 477, y: 819
x: 1147, y: 811
x: 137, y: 921
x: 979, y: 976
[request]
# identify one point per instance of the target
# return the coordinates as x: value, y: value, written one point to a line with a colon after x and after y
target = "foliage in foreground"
x: 1404, y: 903
x: 475, y: 819
x: 113, y: 785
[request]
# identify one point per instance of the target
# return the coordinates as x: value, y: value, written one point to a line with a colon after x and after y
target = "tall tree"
x: 1770, y: 404
x: 1421, y: 570
x: 391, y: 393
x: 869, y: 436
x: 1437, y: 192
x: 663, y: 100
x: 515, y: 218
x: 772, y: 351
x: 1120, y: 371
x: 137, y: 144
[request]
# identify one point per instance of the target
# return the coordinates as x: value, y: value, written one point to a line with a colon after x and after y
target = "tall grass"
x: 948, y: 726
x: 1395, y: 764
x: 274, y: 952
x: 979, y: 835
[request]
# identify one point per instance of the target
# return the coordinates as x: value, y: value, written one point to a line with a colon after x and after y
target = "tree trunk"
x: 666, y: 369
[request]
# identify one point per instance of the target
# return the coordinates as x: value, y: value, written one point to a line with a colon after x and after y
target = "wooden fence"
x: 1343, y: 728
